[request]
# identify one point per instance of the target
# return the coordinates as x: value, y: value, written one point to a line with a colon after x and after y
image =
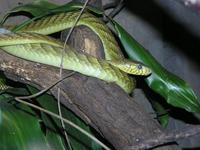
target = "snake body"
x: 30, y: 44
x: 61, y: 21
x: 3, y: 85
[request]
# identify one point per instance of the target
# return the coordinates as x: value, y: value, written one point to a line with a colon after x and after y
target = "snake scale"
x: 31, y: 43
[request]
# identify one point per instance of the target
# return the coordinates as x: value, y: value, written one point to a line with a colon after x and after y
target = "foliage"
x: 175, y: 90
x: 22, y: 127
x: 41, y: 8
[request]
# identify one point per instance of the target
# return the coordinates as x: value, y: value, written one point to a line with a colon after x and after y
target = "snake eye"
x: 139, y: 66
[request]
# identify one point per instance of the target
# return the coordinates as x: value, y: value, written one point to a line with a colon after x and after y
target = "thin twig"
x: 46, y: 89
x: 61, y: 68
x: 110, y: 5
x: 115, y: 11
x: 65, y: 121
x: 164, y: 138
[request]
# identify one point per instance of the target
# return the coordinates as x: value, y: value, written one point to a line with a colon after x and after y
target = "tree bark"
x: 106, y: 107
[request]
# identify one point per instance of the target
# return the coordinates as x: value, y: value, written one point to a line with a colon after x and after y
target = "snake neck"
x: 77, y: 62
x: 59, y: 22
x: 85, y: 64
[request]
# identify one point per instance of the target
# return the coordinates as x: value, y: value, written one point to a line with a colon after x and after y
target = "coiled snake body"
x: 31, y: 43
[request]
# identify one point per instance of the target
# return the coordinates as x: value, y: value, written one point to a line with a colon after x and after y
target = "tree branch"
x: 164, y: 138
x: 105, y: 107
x: 115, y: 10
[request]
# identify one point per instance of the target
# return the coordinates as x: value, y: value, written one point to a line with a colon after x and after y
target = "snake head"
x: 131, y: 67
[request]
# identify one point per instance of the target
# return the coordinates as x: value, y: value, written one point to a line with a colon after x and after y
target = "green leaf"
x: 71, y: 6
x: 78, y: 140
x: 162, y: 114
x: 36, y: 8
x: 41, y: 8
x: 20, y: 129
x: 175, y: 90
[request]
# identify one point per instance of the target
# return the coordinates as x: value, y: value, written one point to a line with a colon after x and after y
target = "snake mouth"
x: 135, y: 70
x: 143, y: 72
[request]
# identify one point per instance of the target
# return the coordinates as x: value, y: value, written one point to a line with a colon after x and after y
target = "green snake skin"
x: 43, y: 49
x: 59, y: 22
x: 3, y: 85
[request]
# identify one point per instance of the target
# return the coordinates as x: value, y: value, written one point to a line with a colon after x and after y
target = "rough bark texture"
x: 104, y: 106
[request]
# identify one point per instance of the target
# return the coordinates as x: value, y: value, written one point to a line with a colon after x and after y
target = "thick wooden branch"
x: 167, y: 137
x: 104, y: 106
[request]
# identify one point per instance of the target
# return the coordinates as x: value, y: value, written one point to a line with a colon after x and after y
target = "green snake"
x: 31, y: 43
x: 3, y: 85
